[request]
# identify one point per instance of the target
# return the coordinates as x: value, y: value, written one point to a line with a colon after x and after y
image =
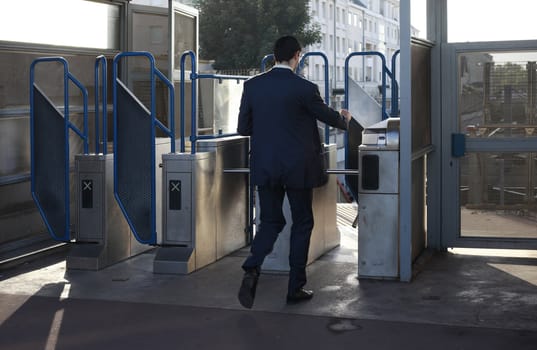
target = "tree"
x: 238, y: 33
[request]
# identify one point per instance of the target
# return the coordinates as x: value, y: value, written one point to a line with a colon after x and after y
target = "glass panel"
x: 185, y: 38
x: 497, y: 195
x: 150, y: 33
x: 15, y: 109
x: 418, y: 18
x: 75, y: 23
x: 497, y: 94
x: 491, y: 20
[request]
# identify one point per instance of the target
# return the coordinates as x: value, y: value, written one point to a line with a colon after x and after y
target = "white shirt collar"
x: 282, y: 66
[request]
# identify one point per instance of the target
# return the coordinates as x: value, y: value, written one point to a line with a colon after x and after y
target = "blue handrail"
x: 395, y: 86
x: 384, y: 73
x: 194, y: 125
x: 194, y: 76
x: 67, y: 76
x: 265, y: 60
x: 153, y: 72
x: 101, y: 60
x: 326, y: 85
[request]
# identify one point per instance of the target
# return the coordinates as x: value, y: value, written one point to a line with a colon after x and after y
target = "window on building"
x: 323, y: 10
x: 343, y: 16
x: 317, y: 7
x: 338, y: 47
x: 338, y: 10
x: 89, y: 24
x: 317, y: 72
x: 331, y: 12
x: 331, y: 42
x: 325, y: 44
x: 350, y: 18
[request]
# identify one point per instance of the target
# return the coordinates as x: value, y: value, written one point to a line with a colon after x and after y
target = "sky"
x: 484, y: 20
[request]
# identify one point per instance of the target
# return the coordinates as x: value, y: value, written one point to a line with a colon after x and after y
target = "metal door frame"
x: 450, y: 212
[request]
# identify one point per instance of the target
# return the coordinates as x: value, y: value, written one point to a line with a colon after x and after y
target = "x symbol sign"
x: 86, y: 185
x: 175, y: 186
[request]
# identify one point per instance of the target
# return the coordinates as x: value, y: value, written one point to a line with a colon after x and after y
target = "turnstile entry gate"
x: 365, y: 110
x: 205, y: 211
x: 100, y: 236
x: 378, y: 238
x: 99, y: 219
x: 137, y: 187
x: 372, y: 147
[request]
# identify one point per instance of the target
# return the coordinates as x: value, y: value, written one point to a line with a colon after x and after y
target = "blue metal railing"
x: 153, y: 74
x: 264, y: 61
x: 101, y: 61
x: 384, y: 73
x: 194, y: 124
x: 395, y: 86
x: 326, y: 85
x: 194, y: 76
x: 67, y: 76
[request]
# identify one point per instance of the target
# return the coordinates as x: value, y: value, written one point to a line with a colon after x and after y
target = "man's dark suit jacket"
x: 279, y: 110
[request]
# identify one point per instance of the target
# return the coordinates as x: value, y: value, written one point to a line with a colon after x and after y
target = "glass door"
x: 490, y: 192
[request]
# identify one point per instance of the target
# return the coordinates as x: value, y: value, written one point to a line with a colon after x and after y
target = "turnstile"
x: 378, y: 207
x: 204, y: 209
x: 101, y: 236
x: 101, y: 227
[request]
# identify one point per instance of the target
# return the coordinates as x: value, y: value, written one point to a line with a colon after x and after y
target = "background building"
x: 349, y: 26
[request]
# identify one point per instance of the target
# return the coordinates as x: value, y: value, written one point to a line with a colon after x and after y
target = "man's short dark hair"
x: 285, y: 48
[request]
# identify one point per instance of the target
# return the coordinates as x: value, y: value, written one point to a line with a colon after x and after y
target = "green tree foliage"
x: 238, y: 33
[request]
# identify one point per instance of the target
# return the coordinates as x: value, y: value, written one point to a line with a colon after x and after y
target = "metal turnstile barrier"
x: 137, y: 151
x: 378, y: 238
x: 100, y: 236
x: 205, y: 211
x: 49, y: 139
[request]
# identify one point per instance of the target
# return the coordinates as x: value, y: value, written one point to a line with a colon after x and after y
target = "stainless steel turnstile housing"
x: 378, y: 202
x: 102, y: 234
x: 325, y: 235
x: 205, y: 212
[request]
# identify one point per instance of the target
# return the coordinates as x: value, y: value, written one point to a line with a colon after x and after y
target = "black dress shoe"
x: 300, y: 295
x: 248, y: 286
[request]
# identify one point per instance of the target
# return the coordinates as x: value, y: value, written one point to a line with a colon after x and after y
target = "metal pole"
x: 335, y: 55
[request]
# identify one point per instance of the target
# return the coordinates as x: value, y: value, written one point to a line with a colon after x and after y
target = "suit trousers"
x: 273, y: 222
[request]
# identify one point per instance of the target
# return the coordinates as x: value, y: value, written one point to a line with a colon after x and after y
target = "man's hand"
x: 346, y: 114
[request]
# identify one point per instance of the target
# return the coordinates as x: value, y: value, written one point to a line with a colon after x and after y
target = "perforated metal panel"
x: 135, y: 164
x: 49, y: 172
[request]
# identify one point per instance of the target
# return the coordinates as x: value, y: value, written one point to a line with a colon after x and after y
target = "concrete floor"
x: 455, y: 301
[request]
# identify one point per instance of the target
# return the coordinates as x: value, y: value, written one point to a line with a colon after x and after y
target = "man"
x: 279, y: 110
